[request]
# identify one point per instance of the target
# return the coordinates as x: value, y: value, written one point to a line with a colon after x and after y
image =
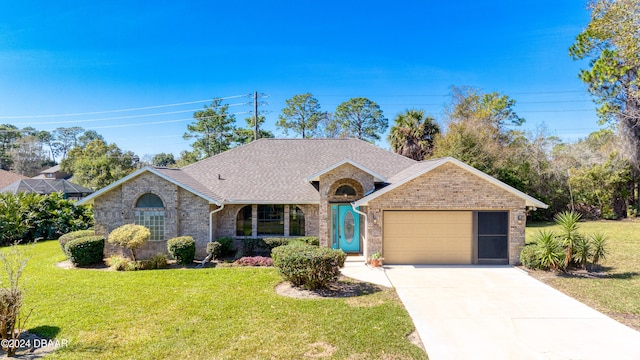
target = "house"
x: 53, y: 172
x: 8, y: 177
x: 353, y: 195
x: 47, y: 186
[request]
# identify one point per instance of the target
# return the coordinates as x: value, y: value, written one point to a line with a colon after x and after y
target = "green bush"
x: 86, y: 250
x: 529, y: 257
x: 157, y: 261
x: 64, y: 239
x: 309, y: 266
x: 215, y: 249
x: 250, y: 244
x: 227, y: 245
x: 130, y: 236
x: 310, y: 240
x: 29, y: 216
x: 119, y: 263
x: 183, y: 249
x: 272, y: 243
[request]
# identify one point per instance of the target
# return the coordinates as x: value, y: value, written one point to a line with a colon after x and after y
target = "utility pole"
x: 256, y: 130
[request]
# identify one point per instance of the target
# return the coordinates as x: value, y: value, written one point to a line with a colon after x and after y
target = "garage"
x: 428, y: 237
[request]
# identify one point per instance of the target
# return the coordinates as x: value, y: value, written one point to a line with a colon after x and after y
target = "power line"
x: 120, y: 110
x: 128, y: 116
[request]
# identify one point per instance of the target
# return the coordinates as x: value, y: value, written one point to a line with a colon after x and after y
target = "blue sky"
x: 80, y: 57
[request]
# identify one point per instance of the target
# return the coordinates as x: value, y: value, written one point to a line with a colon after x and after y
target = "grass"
x: 617, y: 293
x: 213, y: 313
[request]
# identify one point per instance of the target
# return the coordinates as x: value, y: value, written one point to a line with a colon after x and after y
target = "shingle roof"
x: 276, y: 170
x: 7, y: 178
x: 44, y: 186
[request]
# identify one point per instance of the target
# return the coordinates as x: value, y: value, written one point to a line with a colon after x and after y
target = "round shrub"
x: 183, y: 249
x: 130, y: 236
x: 310, y: 240
x: 529, y: 257
x: 227, y: 245
x: 64, y: 239
x: 274, y: 242
x: 86, y: 250
x: 214, y: 249
x: 309, y: 266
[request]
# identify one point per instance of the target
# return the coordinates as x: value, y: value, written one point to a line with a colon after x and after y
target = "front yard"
x: 615, y: 291
x: 213, y: 313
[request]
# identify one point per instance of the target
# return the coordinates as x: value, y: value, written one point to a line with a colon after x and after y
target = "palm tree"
x: 413, y: 134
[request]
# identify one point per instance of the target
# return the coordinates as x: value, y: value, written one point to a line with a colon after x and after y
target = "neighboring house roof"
x: 53, y: 172
x: 424, y: 167
x: 45, y: 186
x: 7, y: 178
x: 281, y: 171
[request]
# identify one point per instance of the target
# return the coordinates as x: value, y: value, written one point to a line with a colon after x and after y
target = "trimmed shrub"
x: 130, y: 236
x: 272, y: 243
x: 183, y: 249
x: 227, y: 245
x: 309, y: 266
x: 64, y: 239
x: 86, y: 250
x: 310, y: 240
x: 250, y: 244
x: 214, y: 249
x: 254, y: 261
x: 529, y: 257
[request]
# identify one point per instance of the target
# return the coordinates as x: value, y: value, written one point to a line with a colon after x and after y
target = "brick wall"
x: 449, y: 187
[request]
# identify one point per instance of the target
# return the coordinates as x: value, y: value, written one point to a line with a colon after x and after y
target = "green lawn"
x: 214, y: 313
x: 618, y: 293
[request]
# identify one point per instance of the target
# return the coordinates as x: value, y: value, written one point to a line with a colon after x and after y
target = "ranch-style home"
x: 353, y: 195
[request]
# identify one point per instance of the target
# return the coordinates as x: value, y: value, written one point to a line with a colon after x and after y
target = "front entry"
x: 493, y: 237
x: 345, y: 228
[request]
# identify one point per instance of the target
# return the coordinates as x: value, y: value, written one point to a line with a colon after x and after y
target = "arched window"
x: 244, y: 221
x: 296, y: 221
x: 345, y: 190
x: 150, y: 213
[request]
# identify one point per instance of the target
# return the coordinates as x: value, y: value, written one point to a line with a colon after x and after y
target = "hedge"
x: 85, y: 250
x: 183, y: 249
x: 309, y: 266
x: 64, y: 239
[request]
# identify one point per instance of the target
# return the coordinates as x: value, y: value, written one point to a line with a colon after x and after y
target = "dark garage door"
x: 493, y: 237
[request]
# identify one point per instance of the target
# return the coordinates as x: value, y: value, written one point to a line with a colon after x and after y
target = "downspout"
x: 365, y: 251
x: 209, y: 256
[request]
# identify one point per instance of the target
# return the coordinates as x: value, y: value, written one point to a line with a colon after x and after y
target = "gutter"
x: 209, y: 256
x: 366, y: 238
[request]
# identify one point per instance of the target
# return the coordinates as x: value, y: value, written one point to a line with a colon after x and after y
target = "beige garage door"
x: 427, y: 237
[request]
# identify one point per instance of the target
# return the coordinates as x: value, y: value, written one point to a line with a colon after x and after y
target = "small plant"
x: 272, y: 243
x: 529, y: 257
x: 549, y: 250
x: 310, y: 240
x: 375, y: 259
x: 118, y: 262
x: 157, y: 261
x: 130, y: 236
x: 309, y: 266
x: 254, y: 261
x: 598, y: 247
x: 250, y: 244
x: 569, y: 225
x: 86, y: 250
x: 214, y: 249
x: 64, y: 239
x: 183, y: 249
x: 227, y: 245
x: 581, y: 251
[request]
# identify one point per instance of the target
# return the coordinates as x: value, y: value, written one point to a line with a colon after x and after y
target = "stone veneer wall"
x: 345, y: 174
x: 448, y: 187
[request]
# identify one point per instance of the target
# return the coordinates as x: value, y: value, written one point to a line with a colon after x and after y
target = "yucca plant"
x: 549, y: 251
x: 581, y: 251
x: 569, y: 224
x: 598, y: 247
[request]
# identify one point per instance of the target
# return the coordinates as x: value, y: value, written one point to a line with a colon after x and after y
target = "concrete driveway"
x: 500, y: 312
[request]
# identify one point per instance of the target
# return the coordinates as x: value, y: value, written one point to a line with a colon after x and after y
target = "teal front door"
x: 345, y: 232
